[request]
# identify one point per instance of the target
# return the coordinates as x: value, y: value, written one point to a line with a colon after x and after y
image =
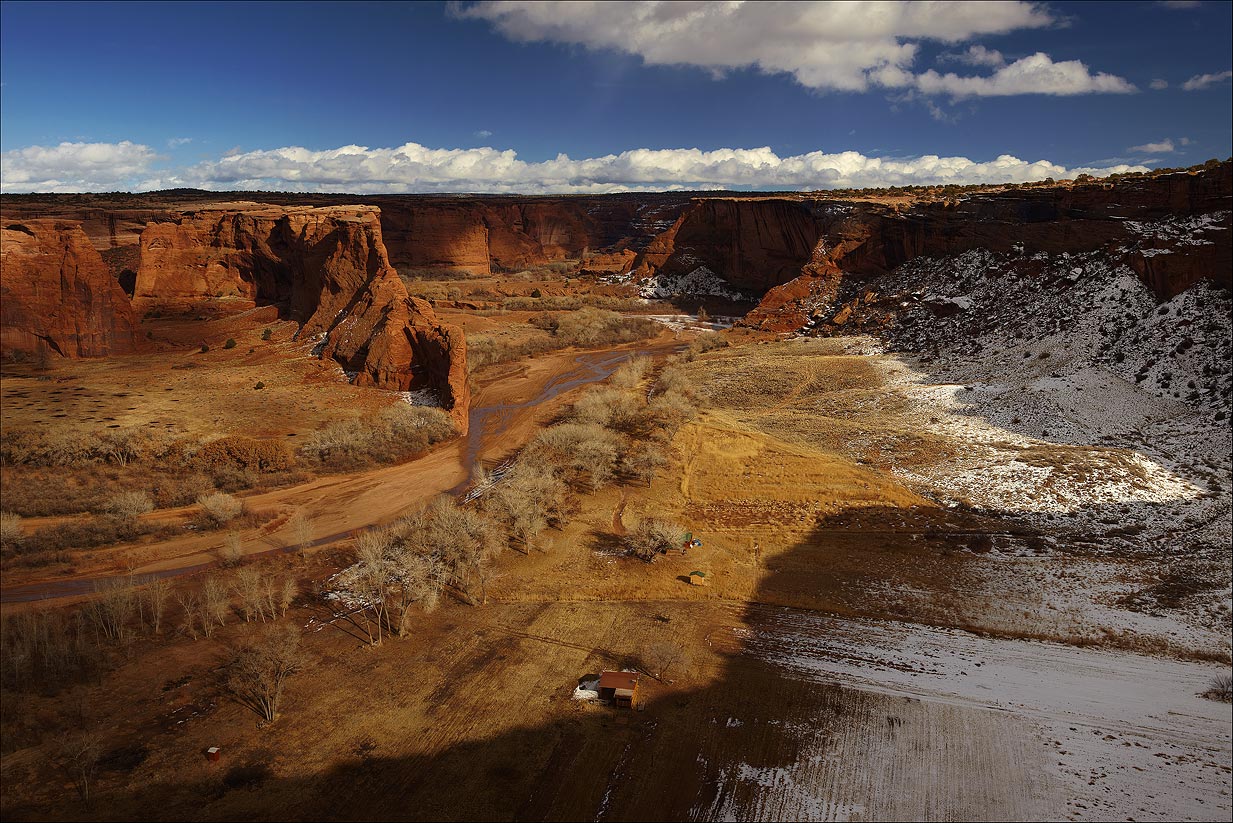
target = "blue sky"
x: 485, y: 97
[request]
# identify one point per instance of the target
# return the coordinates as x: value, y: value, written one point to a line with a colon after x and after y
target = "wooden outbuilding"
x: 621, y: 688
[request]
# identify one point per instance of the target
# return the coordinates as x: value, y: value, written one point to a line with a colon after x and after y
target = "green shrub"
x: 267, y: 334
x: 230, y: 344
x: 204, y: 348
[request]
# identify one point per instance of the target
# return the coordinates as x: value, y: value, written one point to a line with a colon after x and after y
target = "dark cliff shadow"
x: 692, y: 753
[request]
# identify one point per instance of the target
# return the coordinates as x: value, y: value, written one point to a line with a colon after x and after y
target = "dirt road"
x: 504, y: 415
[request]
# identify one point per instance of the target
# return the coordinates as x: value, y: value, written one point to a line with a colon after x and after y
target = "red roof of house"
x: 618, y: 680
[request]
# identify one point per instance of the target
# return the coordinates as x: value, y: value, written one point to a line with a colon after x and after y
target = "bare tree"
x: 193, y: 618
x: 258, y: 670
x: 652, y: 537
x: 78, y: 755
x: 152, y: 602
x: 215, y: 603
x: 250, y: 590
x: 112, y: 608
x: 287, y: 593
x: 644, y: 460
x: 420, y: 579
x: 662, y: 656
x: 301, y: 529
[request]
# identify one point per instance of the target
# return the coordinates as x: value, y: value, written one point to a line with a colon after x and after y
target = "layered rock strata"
x: 57, y: 296
x: 325, y: 268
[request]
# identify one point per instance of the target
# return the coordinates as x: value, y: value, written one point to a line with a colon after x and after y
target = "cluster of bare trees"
x: 405, y: 567
x: 615, y: 432
x: 652, y: 537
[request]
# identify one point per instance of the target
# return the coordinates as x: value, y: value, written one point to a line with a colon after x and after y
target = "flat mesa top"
x: 618, y: 680
x: 254, y: 208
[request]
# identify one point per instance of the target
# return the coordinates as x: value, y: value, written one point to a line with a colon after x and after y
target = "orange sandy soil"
x: 301, y: 394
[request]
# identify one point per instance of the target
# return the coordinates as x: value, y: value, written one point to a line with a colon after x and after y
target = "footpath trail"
x: 505, y: 414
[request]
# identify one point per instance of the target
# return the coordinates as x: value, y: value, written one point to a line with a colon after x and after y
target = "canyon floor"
x: 893, y: 629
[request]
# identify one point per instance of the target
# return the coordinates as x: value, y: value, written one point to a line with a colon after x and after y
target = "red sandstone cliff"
x: 57, y: 294
x: 326, y: 268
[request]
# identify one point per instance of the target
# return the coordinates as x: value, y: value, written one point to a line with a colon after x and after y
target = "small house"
x: 621, y: 688
x: 697, y: 578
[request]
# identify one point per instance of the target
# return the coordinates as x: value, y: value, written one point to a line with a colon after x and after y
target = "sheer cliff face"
x: 764, y: 246
x: 326, y: 268
x: 57, y: 295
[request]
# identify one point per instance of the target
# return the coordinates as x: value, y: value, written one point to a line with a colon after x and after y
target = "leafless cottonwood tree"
x: 215, y: 603
x: 78, y: 755
x: 112, y: 608
x: 653, y: 536
x: 152, y: 602
x: 664, y: 655
x: 259, y: 669
x: 301, y: 526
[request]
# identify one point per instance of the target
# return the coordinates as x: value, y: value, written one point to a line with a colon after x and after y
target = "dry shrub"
x: 10, y: 529
x: 595, y: 327
x: 245, y: 454
x: 396, y: 434
x: 83, y: 534
x: 129, y: 506
x: 220, y: 507
x: 1220, y: 688
x: 232, y: 551
x: 588, y: 452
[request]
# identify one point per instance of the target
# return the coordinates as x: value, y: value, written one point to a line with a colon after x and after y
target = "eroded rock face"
x: 56, y: 294
x: 1174, y: 230
x: 326, y: 268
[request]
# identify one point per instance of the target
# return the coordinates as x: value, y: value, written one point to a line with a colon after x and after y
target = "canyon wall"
x: 57, y: 295
x: 1173, y: 229
x: 327, y: 269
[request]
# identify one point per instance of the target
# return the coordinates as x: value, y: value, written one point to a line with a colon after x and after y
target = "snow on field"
x: 1083, y: 405
x: 1124, y: 736
x: 681, y: 322
x: 422, y: 397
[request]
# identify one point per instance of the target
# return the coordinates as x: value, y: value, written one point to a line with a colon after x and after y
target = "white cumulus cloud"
x: 1035, y: 74
x: 1163, y: 147
x: 851, y: 46
x: 1159, y: 84
x: 1202, y: 81
x: 416, y: 168
x: 73, y: 167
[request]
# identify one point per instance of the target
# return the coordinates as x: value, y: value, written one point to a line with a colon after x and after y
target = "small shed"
x: 619, y: 687
x: 697, y: 578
